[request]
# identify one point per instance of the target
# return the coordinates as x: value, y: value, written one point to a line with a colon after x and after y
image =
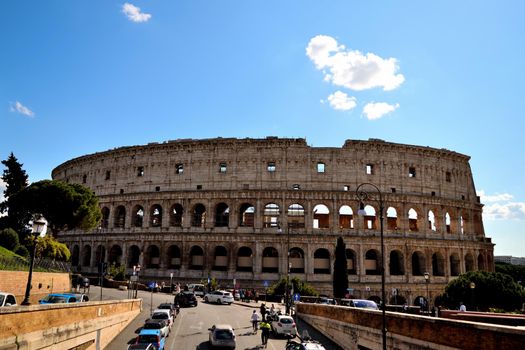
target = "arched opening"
x: 86, y: 255
x: 247, y: 215
x: 461, y: 225
x: 447, y: 222
x: 100, y: 254
x: 245, y: 259
x: 222, y: 215
x: 418, y: 264
x: 454, y: 265
x: 271, y: 215
x: 438, y: 264
x: 196, y: 258
x: 391, y: 219
x: 198, y: 218
x: 372, y: 262
x: 156, y: 216
x: 321, y: 261
x: 295, y: 216
x: 115, y: 255
x: 296, y: 260
x: 469, y: 262
x: 346, y: 217
x: 351, y: 263
x: 133, y: 256
x: 481, y: 262
x: 412, y: 220
x: 270, y: 260
x: 321, y: 216
x: 104, y: 222
x: 120, y: 217
x: 176, y: 215
x: 138, y: 216
x: 397, y: 266
x: 152, y: 258
x: 370, y: 219
x: 431, y: 221
x: 75, y: 256
x: 174, y: 257
x: 220, y: 259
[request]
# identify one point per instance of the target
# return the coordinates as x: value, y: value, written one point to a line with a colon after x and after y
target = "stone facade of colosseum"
x: 255, y: 210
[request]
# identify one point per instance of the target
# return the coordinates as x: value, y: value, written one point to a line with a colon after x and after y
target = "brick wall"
x: 43, y: 283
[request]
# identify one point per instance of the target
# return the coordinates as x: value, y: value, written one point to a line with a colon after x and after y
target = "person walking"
x: 263, y: 311
x: 255, y: 320
x: 265, y: 332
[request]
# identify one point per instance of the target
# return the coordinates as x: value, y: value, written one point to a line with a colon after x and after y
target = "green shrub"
x: 22, y: 251
x: 117, y: 272
x: 9, y: 239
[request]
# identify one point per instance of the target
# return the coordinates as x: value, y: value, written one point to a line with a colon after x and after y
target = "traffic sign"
x: 265, y: 284
x: 296, y: 297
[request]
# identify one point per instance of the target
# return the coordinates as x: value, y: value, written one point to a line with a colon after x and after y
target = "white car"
x: 222, y: 335
x: 162, y: 325
x: 162, y: 314
x: 219, y: 297
x: 284, y: 325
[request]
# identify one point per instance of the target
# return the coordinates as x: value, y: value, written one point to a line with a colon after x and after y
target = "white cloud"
x: 3, y: 186
x: 351, y: 68
x: 134, y: 14
x: 17, y: 107
x: 341, y: 101
x: 375, y: 110
x: 501, y: 207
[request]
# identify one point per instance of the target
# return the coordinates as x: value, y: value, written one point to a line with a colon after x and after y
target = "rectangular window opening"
x: 448, y: 176
x: 411, y: 171
x: 199, y: 187
x: 157, y: 189
x: 222, y: 167
x: 393, y: 189
x: 346, y: 188
x: 369, y: 169
x: 108, y: 175
x: 320, y: 167
x: 296, y: 186
x: 140, y: 171
x: 271, y: 167
x: 179, y: 168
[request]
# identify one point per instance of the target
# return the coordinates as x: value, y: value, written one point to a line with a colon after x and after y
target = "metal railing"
x: 41, y: 264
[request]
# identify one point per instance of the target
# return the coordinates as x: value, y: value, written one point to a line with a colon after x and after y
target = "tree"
x: 517, y: 272
x: 491, y: 290
x: 64, y: 206
x: 15, y: 179
x: 340, y: 283
x: 9, y: 239
x: 49, y: 247
x: 298, y: 286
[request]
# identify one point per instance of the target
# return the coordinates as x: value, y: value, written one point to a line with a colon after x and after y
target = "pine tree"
x: 340, y: 283
x: 15, y: 179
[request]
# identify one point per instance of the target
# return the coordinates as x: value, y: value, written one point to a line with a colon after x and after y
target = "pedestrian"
x: 265, y: 332
x: 255, y: 320
x: 263, y: 311
x: 462, y: 307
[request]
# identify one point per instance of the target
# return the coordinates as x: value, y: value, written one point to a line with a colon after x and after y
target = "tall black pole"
x: 30, y: 276
x: 288, y: 271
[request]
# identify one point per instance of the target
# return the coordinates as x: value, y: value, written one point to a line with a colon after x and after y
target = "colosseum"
x: 250, y: 211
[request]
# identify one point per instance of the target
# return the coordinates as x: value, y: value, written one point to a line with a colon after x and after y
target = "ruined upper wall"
x: 395, y: 168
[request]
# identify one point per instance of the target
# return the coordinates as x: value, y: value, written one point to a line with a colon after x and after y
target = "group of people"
x: 247, y: 295
x: 264, y: 323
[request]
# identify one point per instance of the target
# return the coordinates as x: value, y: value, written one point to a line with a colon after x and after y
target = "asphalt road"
x: 190, y: 329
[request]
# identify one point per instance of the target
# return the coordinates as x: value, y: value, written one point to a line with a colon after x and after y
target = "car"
x: 60, y: 298
x: 169, y: 306
x: 326, y: 301
x: 141, y: 346
x: 360, y: 303
x: 162, y: 314
x: 284, y: 325
x: 197, y: 289
x: 185, y: 299
x: 219, y: 297
x: 306, y: 343
x: 151, y: 336
x: 222, y: 335
x: 163, y: 325
x: 7, y: 299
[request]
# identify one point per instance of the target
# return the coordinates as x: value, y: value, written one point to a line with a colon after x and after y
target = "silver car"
x: 222, y: 335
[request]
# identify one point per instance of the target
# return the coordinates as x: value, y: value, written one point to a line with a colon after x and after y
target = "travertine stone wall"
x: 190, y: 198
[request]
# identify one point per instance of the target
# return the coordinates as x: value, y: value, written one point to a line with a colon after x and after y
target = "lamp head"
x: 39, y: 225
x: 427, y: 276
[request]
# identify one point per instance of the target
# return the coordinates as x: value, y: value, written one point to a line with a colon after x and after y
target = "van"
x: 197, y: 289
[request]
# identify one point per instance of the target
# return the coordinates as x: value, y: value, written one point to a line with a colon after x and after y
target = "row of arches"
x: 433, y: 220
x: 243, y: 259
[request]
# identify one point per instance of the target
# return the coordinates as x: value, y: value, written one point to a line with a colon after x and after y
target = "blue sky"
x: 78, y: 77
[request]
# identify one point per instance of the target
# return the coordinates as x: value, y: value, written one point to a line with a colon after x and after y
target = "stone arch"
x: 346, y: 217
x: 174, y: 257
x: 245, y: 259
x: 412, y: 220
x: 296, y: 216
x: 155, y: 219
x: 481, y: 262
x: 120, y: 217
x: 448, y: 228
x: 115, y: 255
x: 370, y: 218
x: 438, y: 264
x: 396, y: 264
x: 454, y: 264
x: 152, y: 257
x: 270, y: 260
x: 196, y: 258
x: 372, y: 262
x: 351, y: 261
x: 198, y: 218
x: 321, y: 261
x: 133, y: 256
x: 222, y: 215
x: 418, y: 263
x: 247, y: 215
x: 391, y: 219
x: 431, y: 221
x: 271, y: 215
x: 469, y: 262
x: 75, y: 256
x: 104, y: 222
x: 137, y: 216
x: 321, y: 215
x: 176, y: 215
x: 86, y: 255
x: 220, y: 258
x: 296, y: 260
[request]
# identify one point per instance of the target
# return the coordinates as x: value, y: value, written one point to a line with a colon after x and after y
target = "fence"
x: 48, y: 265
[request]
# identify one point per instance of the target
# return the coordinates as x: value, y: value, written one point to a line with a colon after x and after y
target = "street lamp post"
x: 427, y: 281
x: 363, y: 196
x: 288, y: 267
x: 38, y: 228
x: 472, y: 286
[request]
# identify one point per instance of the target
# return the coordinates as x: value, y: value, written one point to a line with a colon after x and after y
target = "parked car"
x: 169, y: 306
x: 360, y: 303
x: 162, y: 325
x: 306, y: 343
x: 7, y: 299
x: 162, y: 314
x: 197, y: 289
x: 222, y: 335
x: 151, y: 336
x: 219, y: 297
x: 59, y: 298
x: 185, y: 299
x: 284, y: 325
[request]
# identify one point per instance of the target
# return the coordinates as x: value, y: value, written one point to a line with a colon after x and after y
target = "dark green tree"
x: 517, y: 272
x: 340, y: 283
x: 298, y: 286
x: 9, y: 239
x: 491, y: 290
x: 15, y: 179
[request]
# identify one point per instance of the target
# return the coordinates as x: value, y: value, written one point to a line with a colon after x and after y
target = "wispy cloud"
x: 134, y: 13
x: 501, y: 207
x: 376, y: 110
x: 17, y: 107
x: 341, y: 101
x: 351, y: 68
